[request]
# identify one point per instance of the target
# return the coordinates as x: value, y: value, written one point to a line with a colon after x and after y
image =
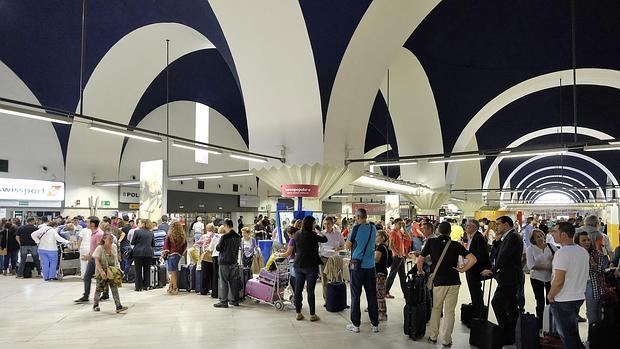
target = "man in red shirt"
x: 397, y: 246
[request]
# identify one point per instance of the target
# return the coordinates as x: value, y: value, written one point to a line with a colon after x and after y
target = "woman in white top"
x: 539, y: 261
x: 47, y: 238
x: 215, y: 255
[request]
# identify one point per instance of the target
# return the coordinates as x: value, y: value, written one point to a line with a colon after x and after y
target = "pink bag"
x: 259, y: 290
x: 270, y: 277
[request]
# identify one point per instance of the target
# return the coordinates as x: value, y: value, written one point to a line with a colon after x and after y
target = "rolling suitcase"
x: 336, y: 297
x: 467, y: 313
x: 183, y: 279
x: 154, y: 274
x: 551, y: 337
x: 484, y: 334
x: 162, y: 276
x: 414, y: 320
x: 526, y: 333
x: 415, y: 289
x: 197, y: 282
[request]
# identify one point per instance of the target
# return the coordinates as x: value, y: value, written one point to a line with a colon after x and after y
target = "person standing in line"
x: 397, y: 245
x: 125, y: 243
x: 9, y: 241
x: 164, y: 226
x: 594, y: 287
x: 143, y: 253
x: 175, y: 244
x: 228, y: 260
x: 93, y: 241
x: 568, y: 287
x: 27, y: 245
x: 506, y: 269
x: 479, y: 248
x: 335, y: 243
x: 539, y: 260
x: 206, y: 254
x: 240, y: 224
x: 381, y: 264
x: 307, y: 261
x: 216, y: 266
x: 249, y: 247
x: 446, y: 282
x: 361, y: 242
x: 47, y: 239
x: 107, y: 272
x: 198, y: 228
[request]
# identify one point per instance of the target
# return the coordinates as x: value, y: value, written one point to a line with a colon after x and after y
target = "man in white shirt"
x: 198, y: 229
x: 568, y: 287
x: 335, y: 243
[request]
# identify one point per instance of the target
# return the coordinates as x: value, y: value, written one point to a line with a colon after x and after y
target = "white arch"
x: 556, y: 182
x: 609, y: 174
x: 600, y: 190
x: 553, y: 176
x: 543, y: 132
x: 585, y: 76
x: 538, y: 195
x: 376, y: 151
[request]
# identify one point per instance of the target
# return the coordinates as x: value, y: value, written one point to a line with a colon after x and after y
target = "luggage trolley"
x: 68, y: 262
x: 270, y: 286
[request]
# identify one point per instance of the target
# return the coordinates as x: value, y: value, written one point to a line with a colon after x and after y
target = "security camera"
x: 181, y: 182
x: 133, y: 178
x: 219, y: 185
x: 44, y: 169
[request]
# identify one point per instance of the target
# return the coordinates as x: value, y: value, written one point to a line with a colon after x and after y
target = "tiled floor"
x: 36, y: 314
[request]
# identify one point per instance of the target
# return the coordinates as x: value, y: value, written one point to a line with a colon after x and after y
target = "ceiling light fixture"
x: 602, y: 147
x: 110, y: 184
x: 249, y: 158
x: 195, y: 147
x: 33, y: 114
x: 178, y: 179
x: 125, y: 133
x: 385, y: 164
x: 557, y: 151
x: 131, y: 183
x: 209, y: 177
x: 241, y: 175
x: 457, y: 159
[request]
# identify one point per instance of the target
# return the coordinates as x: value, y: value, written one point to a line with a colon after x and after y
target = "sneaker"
x: 121, y: 309
x: 374, y: 329
x: 353, y: 328
x: 81, y: 300
x: 449, y: 345
x: 96, y: 308
x: 434, y: 341
x: 299, y: 316
x: 389, y: 296
x: 221, y: 305
x: 314, y: 318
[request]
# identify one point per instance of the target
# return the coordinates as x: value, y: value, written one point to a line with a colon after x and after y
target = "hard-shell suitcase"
x: 259, y: 290
x: 183, y: 279
x: 270, y: 277
x: 154, y: 275
x: 414, y: 320
x: 484, y: 334
x: 162, y: 276
x: 336, y: 297
x: 197, y: 279
x: 526, y: 333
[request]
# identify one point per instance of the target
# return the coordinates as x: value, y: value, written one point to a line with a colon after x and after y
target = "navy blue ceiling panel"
x: 330, y: 26
x: 474, y: 50
x: 202, y: 76
x: 380, y: 130
x: 41, y: 40
x: 559, y: 172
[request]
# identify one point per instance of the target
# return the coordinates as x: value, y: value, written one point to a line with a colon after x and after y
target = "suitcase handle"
x: 489, y: 298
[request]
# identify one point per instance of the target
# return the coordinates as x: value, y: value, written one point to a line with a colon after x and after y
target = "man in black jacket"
x: 228, y: 261
x: 507, y: 271
x: 477, y: 245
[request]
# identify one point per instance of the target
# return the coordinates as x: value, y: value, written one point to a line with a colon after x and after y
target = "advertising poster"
x: 152, y: 190
x: 285, y: 219
x: 31, y: 190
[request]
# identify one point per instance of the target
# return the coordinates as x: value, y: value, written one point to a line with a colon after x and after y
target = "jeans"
x: 125, y: 263
x: 23, y: 251
x: 229, y: 277
x: 49, y: 263
x: 474, y: 284
x: 88, y: 277
x: 593, y: 307
x: 505, y: 308
x: 306, y: 276
x: 417, y: 244
x: 541, y: 289
x: 398, y: 266
x: 444, y: 298
x: 368, y: 279
x: 565, y: 317
x: 11, y: 258
x: 143, y: 272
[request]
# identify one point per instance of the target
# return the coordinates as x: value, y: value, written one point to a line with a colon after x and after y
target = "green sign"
x: 23, y: 203
x: 105, y: 203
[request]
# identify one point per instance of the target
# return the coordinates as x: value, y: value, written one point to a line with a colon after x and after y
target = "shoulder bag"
x: 431, y: 278
x: 356, y: 264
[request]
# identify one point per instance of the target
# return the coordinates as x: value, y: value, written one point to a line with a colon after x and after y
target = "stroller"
x: 68, y: 261
x: 269, y: 287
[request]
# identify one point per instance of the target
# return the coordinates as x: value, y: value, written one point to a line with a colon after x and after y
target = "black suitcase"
x: 467, y: 313
x: 28, y: 270
x: 162, y: 276
x: 484, y: 334
x: 526, y: 333
x: 414, y: 320
x: 246, y: 275
x: 183, y: 282
x: 215, y: 279
x: 336, y: 297
x: 415, y: 289
x: 192, y: 278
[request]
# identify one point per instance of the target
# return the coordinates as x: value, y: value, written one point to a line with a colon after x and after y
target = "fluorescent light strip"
x: 456, y: 159
x: 131, y: 183
x: 603, y: 147
x: 241, y: 175
x: 249, y: 158
x: 209, y: 177
x: 180, y: 179
x: 196, y: 147
x: 534, y: 153
x: 109, y: 184
x: 33, y: 114
x: 125, y: 133
x: 385, y: 164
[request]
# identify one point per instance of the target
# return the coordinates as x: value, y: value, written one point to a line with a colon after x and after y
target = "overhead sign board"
x: 129, y: 195
x: 31, y: 190
x: 299, y: 190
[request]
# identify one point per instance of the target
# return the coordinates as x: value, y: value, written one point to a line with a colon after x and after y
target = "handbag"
x: 356, y: 264
x: 4, y: 251
x: 207, y: 256
x: 431, y: 278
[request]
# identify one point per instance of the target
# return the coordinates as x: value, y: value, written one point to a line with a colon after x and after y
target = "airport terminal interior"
x: 426, y: 174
